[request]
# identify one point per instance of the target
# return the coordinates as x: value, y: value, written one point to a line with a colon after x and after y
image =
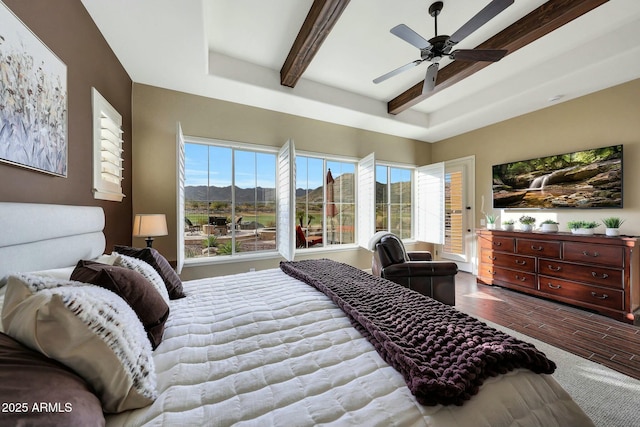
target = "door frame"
x: 468, y: 166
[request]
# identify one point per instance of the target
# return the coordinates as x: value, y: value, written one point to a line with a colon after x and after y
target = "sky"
x: 252, y: 169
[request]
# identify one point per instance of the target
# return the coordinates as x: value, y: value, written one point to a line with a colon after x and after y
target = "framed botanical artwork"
x: 33, y: 100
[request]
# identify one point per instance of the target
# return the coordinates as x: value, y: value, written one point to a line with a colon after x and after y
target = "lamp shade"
x: 150, y: 225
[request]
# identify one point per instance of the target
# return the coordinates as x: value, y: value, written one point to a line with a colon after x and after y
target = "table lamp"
x: 150, y: 226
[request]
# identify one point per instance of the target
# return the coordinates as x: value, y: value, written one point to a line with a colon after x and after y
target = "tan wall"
x: 68, y: 30
x: 155, y: 114
x: 608, y: 117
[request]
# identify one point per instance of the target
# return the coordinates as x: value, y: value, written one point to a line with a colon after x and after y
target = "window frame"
x: 413, y: 211
x: 360, y: 224
x: 325, y: 158
x: 242, y: 146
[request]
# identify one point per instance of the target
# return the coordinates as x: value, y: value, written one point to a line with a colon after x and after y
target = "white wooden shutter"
x: 107, y: 150
x: 180, y: 173
x: 430, y: 203
x: 286, y: 237
x: 366, y: 199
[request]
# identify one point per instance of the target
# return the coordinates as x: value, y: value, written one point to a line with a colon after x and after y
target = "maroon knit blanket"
x: 443, y: 354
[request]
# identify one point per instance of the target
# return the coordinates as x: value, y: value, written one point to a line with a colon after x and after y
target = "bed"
x: 259, y: 348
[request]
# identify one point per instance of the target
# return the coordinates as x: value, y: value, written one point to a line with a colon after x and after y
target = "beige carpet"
x: 611, y: 399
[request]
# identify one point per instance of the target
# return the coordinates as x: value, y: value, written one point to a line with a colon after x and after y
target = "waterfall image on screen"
x: 582, y: 179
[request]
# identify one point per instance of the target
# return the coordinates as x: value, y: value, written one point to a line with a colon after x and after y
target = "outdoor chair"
x: 303, y: 241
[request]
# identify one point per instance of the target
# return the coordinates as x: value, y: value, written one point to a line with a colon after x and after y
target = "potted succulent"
x: 507, y: 225
x: 491, y: 221
x: 582, y: 227
x: 549, y: 226
x: 526, y: 222
x: 612, y: 225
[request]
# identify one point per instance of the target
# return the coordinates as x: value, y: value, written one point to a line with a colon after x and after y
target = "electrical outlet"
x: 251, y: 270
x: 483, y: 222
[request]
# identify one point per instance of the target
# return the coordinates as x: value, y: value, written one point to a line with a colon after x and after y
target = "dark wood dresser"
x: 596, y: 272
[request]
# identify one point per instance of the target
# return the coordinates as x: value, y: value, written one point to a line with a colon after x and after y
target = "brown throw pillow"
x: 132, y: 287
x: 38, y: 391
x: 160, y: 264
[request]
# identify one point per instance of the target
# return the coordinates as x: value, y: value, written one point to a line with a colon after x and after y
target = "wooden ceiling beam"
x: 540, y: 22
x: 320, y: 20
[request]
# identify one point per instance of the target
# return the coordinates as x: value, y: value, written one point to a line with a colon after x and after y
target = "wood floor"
x: 589, y: 335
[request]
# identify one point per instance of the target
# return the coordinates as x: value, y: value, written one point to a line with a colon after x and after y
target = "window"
x: 325, y: 202
x: 229, y: 199
x: 453, y: 212
x: 394, y: 200
x: 107, y: 149
x: 236, y: 199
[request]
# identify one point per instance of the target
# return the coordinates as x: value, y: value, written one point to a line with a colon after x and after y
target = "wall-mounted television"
x: 582, y: 179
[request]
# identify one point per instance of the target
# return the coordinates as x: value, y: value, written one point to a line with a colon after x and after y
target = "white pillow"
x: 376, y: 238
x: 65, y: 272
x: 56, y: 273
x: 87, y: 328
x: 146, y: 270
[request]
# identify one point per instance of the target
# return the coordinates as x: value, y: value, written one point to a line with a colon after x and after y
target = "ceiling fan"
x: 434, y: 49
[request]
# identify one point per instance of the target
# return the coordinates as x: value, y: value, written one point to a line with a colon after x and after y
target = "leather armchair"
x: 414, y: 270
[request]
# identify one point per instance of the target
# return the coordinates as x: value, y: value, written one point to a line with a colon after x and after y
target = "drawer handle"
x: 536, y: 248
x: 595, y: 254
x: 492, y: 272
x: 554, y: 268
x: 520, y: 262
x: 497, y: 243
x: 599, y: 276
x: 521, y: 278
x: 554, y: 286
x: 603, y: 296
x: 492, y: 258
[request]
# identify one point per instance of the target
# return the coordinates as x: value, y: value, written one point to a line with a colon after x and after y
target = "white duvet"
x: 263, y: 349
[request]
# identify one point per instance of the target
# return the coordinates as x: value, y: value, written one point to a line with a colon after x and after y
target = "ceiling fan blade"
x: 410, y: 36
x: 430, y: 79
x: 398, y: 71
x: 481, y: 18
x: 489, y: 55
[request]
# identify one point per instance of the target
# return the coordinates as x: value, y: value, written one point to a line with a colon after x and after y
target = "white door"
x: 459, y: 239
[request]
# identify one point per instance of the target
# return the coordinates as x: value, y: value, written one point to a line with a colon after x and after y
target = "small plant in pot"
x: 492, y: 220
x: 508, y: 224
x: 549, y: 226
x: 582, y: 227
x: 526, y: 222
x: 612, y: 225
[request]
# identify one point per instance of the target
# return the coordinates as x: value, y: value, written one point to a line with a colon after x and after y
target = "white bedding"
x: 265, y: 349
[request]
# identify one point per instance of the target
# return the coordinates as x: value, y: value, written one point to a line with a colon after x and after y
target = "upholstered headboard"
x: 42, y: 236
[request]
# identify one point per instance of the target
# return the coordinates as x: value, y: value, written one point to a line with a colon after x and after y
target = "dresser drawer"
x: 601, y: 276
x: 602, y: 297
x: 611, y: 256
x: 498, y: 243
x: 515, y: 262
x: 538, y: 248
x: 518, y: 278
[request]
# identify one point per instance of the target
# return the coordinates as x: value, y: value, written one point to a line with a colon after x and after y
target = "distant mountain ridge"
x: 248, y: 195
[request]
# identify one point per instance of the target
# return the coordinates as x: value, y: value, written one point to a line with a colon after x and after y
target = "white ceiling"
x: 234, y: 49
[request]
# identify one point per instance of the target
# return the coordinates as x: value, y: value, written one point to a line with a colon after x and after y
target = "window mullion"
x: 388, y: 198
x: 233, y: 198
